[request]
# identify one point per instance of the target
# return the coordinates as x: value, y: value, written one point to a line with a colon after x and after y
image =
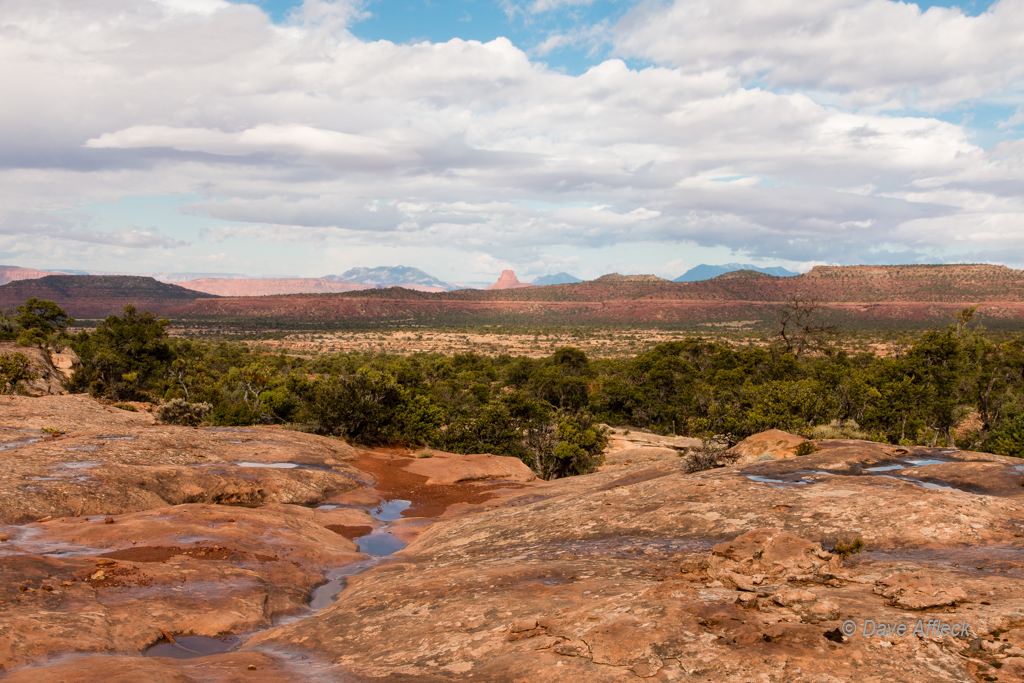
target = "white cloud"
x: 303, y: 136
x: 873, y: 52
x: 538, y: 6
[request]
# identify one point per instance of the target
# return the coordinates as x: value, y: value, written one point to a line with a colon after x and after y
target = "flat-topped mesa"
x: 615, y: 277
x: 12, y: 273
x: 270, y: 286
x: 508, y: 280
x: 915, y: 271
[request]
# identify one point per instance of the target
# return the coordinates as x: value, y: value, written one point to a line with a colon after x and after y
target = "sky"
x: 464, y: 137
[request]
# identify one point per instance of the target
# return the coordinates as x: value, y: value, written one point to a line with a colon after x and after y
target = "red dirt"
x: 163, y: 553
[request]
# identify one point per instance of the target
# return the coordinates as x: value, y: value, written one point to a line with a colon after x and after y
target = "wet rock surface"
x: 111, y: 461
x: 639, y: 571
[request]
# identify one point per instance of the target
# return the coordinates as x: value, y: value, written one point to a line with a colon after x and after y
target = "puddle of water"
x: 933, y: 485
x: 925, y: 484
x: 80, y: 465
x: 254, y: 441
x: 15, y: 444
x: 189, y: 647
x: 227, y: 429
x: 117, y: 438
x: 390, y: 510
x: 324, y: 596
x: 380, y: 543
x: 769, y: 480
x: 286, y: 465
x: 909, y: 462
x: 43, y: 479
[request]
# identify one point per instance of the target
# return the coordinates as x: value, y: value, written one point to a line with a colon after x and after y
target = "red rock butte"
x: 508, y: 280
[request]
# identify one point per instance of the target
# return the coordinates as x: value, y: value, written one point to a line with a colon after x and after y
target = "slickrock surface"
x: 639, y: 571
x: 705, y: 577
x: 112, y: 461
x: 85, y: 585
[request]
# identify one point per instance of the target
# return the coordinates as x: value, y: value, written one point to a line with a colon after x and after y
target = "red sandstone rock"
x: 508, y: 280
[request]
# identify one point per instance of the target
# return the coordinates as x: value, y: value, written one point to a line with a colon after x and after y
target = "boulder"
x: 773, y: 444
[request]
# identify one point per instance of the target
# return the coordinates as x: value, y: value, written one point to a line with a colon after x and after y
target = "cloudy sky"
x: 278, y: 137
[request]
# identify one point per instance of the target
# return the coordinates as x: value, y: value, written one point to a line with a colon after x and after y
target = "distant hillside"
x: 556, y: 279
x: 706, y: 272
x: 859, y: 296
x: 271, y: 286
x: 12, y: 273
x: 393, y: 276
x: 84, y: 296
x: 615, y: 277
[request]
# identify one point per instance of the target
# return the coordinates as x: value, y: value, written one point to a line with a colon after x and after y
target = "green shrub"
x: 1007, y: 438
x: 126, y: 406
x: 844, y: 549
x: 178, y: 411
x: 837, y: 429
x: 806, y: 448
x: 15, y: 368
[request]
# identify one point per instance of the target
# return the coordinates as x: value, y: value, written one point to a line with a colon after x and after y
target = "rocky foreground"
x: 131, y: 551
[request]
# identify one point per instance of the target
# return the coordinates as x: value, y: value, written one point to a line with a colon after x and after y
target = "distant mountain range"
x: 393, y: 276
x: 234, y: 284
x: 706, y: 272
x: 556, y: 279
x: 866, y: 297
x: 873, y: 296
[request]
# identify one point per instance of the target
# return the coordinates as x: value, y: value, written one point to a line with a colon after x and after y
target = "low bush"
x: 844, y: 549
x: 178, y: 411
x: 806, y: 448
